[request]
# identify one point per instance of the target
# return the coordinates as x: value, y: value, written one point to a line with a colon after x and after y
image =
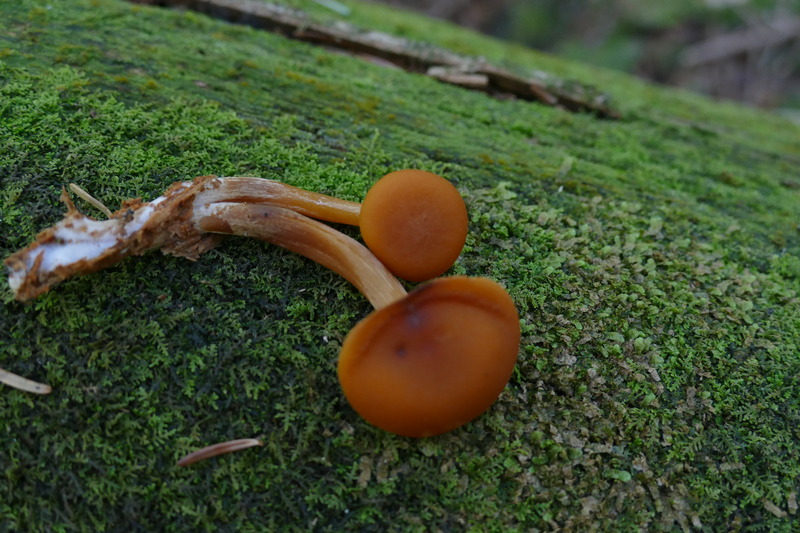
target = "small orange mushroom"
x: 414, y: 221
x: 424, y: 362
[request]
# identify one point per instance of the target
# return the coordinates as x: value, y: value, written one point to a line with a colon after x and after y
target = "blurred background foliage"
x: 743, y: 50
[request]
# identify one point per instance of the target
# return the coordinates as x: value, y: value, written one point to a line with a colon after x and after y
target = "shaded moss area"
x: 655, y: 262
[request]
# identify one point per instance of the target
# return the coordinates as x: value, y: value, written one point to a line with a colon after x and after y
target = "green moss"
x: 654, y: 261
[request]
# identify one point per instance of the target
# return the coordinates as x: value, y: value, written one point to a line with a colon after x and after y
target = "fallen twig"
x: 218, y: 449
x: 24, y: 384
x: 89, y: 198
x: 469, y: 72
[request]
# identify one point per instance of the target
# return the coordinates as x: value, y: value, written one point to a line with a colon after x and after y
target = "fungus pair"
x: 421, y: 364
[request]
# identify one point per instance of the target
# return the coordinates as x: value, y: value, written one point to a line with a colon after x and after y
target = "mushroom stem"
x: 314, y: 240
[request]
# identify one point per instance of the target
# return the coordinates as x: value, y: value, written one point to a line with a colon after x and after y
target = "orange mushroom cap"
x: 415, y: 222
x: 433, y: 360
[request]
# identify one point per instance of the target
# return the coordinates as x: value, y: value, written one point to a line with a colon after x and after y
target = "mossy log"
x: 653, y: 254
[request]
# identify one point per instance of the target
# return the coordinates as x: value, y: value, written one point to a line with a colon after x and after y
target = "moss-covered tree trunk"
x: 654, y: 260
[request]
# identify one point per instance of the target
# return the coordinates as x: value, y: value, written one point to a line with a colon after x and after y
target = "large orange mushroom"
x: 423, y: 363
x: 433, y: 360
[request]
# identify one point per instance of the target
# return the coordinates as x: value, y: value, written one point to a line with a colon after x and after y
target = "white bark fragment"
x: 79, y: 244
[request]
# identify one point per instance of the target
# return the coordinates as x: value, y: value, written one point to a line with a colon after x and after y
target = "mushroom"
x: 422, y: 363
x: 414, y: 221
x: 434, y: 360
